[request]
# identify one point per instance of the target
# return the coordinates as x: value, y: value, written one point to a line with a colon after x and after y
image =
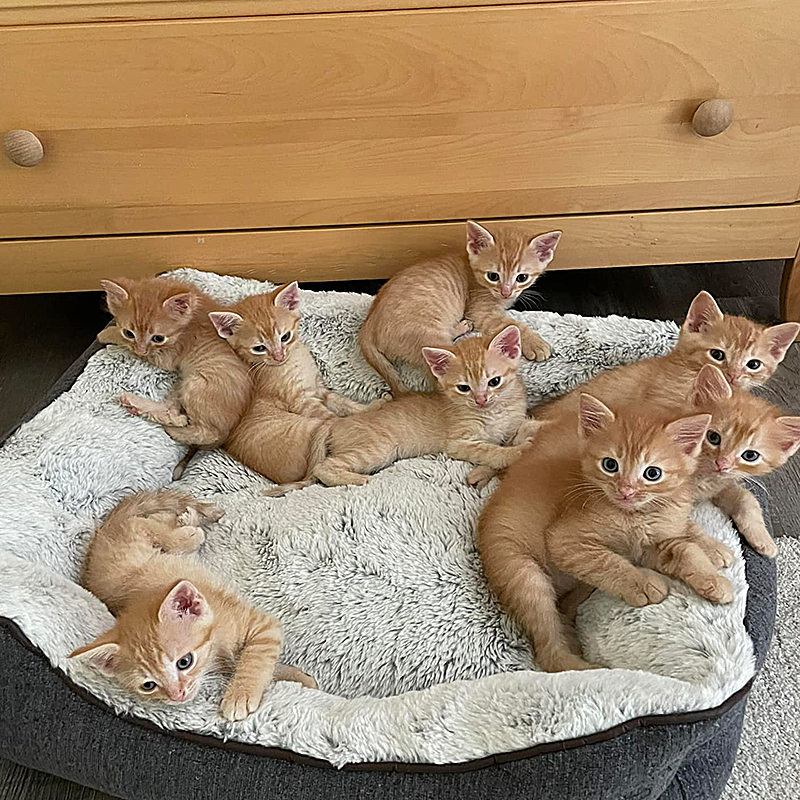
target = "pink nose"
x: 723, y: 464
x: 480, y: 399
x: 140, y: 350
x: 627, y: 491
x: 505, y: 291
x: 733, y: 377
x: 280, y: 356
x: 177, y: 694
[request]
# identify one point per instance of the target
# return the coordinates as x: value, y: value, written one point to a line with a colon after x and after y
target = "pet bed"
x: 426, y: 687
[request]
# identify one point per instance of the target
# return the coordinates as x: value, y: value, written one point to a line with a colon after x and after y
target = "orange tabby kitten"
x: 289, y: 400
x: 747, y: 437
x: 477, y: 409
x: 747, y: 353
x: 165, y: 322
x: 603, y: 505
x: 175, y: 620
x: 425, y: 304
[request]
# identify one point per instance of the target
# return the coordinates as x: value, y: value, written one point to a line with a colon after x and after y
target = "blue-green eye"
x: 184, y: 662
x: 259, y: 348
x: 751, y: 456
x: 713, y: 438
x: 717, y: 355
x: 754, y: 364
x: 128, y: 334
x: 522, y: 277
x: 495, y: 381
x: 653, y: 473
x: 463, y: 388
x: 157, y: 338
x: 492, y: 277
x: 610, y: 465
x: 149, y: 686
x: 286, y: 336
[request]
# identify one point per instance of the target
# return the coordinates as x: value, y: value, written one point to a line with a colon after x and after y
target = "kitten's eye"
x: 610, y: 465
x: 258, y: 348
x: 653, y: 474
x: 713, y: 438
x: 157, y: 338
x: 286, y: 336
x: 495, y: 381
x: 751, y: 456
x: 149, y: 686
x: 522, y: 277
x: 128, y: 334
x: 184, y: 662
x: 754, y: 364
x: 492, y: 277
x: 463, y: 388
x: 717, y: 355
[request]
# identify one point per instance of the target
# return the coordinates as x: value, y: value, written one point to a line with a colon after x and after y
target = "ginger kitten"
x: 477, y: 413
x: 425, y: 305
x: 747, y: 437
x: 747, y: 353
x: 289, y: 400
x: 602, y: 500
x: 165, y: 322
x: 175, y: 620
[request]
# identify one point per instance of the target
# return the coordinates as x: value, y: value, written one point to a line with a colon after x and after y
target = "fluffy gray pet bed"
x: 379, y: 588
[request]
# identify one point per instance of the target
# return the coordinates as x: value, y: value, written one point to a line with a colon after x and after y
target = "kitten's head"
x: 265, y: 328
x: 150, y: 313
x: 508, y: 261
x: 747, y: 353
x: 478, y: 371
x: 747, y: 435
x: 162, y: 654
x: 636, y: 461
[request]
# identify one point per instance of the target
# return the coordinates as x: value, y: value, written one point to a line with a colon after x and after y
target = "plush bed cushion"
x: 379, y: 586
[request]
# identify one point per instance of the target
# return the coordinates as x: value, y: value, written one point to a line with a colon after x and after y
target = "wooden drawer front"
x: 405, y: 116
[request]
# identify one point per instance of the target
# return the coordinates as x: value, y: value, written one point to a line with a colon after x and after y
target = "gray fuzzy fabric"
x: 379, y: 587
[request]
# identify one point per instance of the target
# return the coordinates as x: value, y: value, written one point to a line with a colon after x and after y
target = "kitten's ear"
x: 226, y: 322
x: 101, y: 654
x: 438, y: 360
x: 506, y: 343
x: 184, y: 603
x: 594, y: 415
x: 789, y: 434
x: 180, y: 306
x: 780, y: 338
x: 287, y: 296
x: 116, y: 295
x: 702, y: 312
x: 710, y: 386
x: 688, y: 432
x: 544, y: 247
x: 478, y: 238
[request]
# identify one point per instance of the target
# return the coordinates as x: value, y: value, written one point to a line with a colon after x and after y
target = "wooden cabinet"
x: 362, y: 134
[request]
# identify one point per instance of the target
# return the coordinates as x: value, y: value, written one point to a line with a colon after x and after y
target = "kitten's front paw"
x: 358, y: 480
x: 715, y: 588
x: 757, y: 536
x: 210, y: 513
x: 719, y: 554
x: 649, y: 588
x: 479, y: 477
x: 535, y: 348
x: 465, y: 326
x: 131, y: 403
x: 239, y: 702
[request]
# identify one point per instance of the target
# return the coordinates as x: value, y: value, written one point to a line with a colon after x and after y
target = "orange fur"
x: 560, y: 521
x: 425, y: 305
x: 170, y: 609
x: 289, y: 400
x: 213, y: 388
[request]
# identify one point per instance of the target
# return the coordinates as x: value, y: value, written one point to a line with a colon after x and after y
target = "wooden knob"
x: 712, y: 117
x: 23, y: 148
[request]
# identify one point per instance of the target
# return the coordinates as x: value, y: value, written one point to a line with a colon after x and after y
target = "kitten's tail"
x: 379, y: 362
x: 317, y: 452
x: 170, y: 501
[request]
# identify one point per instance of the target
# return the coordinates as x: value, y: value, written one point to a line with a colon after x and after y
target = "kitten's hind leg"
x: 285, y: 488
x: 479, y: 477
x: 718, y: 553
x: 171, y: 539
x: 284, y: 672
x: 166, y: 412
x: 336, y: 471
x: 200, y: 434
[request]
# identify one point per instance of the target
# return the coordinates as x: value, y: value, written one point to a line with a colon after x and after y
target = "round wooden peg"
x: 23, y: 148
x: 712, y: 117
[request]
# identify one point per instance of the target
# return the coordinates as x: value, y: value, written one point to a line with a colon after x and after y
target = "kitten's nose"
x: 734, y: 378
x: 279, y: 356
x: 481, y: 400
x: 627, y: 491
x: 723, y: 464
x: 140, y: 350
x: 177, y: 694
x: 505, y: 291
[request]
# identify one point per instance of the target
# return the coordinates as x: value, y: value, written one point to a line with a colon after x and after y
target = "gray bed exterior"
x: 49, y: 724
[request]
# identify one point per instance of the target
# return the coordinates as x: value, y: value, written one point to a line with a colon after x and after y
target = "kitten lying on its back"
x: 165, y: 322
x: 477, y: 413
x: 425, y: 304
x: 289, y: 400
x: 175, y: 620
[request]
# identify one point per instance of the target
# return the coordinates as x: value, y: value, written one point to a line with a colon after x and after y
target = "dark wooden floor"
x: 41, y: 335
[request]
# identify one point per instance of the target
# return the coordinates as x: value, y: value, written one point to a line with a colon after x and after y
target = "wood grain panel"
x: 790, y: 289
x: 395, y: 117
x: 603, y: 240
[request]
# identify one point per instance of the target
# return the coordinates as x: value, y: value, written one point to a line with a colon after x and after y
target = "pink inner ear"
x: 688, y: 432
x: 594, y: 415
x: 438, y: 360
x: 289, y: 297
x: 711, y: 385
x: 781, y: 337
x: 179, y: 304
x: 507, y: 343
x: 183, y: 602
x: 115, y: 294
x: 702, y: 311
x: 226, y: 322
x: 791, y: 433
x: 544, y: 246
x: 478, y: 238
